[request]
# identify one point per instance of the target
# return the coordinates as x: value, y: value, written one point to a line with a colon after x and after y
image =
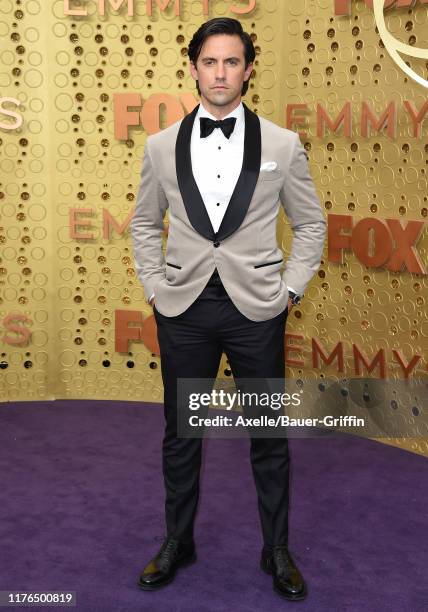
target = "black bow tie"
x: 208, y: 125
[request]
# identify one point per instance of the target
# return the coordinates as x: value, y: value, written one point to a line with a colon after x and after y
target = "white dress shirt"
x: 217, y: 163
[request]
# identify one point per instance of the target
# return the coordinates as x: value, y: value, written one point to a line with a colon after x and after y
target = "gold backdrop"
x: 62, y: 295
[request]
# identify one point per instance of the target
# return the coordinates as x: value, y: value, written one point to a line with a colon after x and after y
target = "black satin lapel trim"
x: 193, y: 201
x: 247, y: 181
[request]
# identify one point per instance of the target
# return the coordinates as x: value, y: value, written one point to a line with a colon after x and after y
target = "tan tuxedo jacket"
x: 244, y: 250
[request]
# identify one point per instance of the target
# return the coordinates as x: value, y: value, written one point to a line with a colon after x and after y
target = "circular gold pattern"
x: 81, y: 283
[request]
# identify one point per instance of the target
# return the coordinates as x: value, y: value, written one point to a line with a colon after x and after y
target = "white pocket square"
x: 268, y: 166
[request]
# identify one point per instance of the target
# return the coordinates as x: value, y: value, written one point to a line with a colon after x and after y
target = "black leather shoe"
x: 161, y: 569
x: 287, y: 580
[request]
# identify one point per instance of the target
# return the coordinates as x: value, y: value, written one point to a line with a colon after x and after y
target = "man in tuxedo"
x: 221, y: 171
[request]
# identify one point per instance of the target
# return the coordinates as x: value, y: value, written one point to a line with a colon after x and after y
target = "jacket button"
x: 216, y: 244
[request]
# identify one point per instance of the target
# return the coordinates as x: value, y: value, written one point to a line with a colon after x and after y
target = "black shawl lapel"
x: 190, y: 193
x: 246, y: 184
x: 244, y: 188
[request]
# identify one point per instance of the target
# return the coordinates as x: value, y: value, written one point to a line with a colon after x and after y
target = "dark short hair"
x: 222, y: 25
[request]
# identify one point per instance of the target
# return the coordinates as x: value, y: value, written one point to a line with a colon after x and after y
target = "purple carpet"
x: 82, y: 510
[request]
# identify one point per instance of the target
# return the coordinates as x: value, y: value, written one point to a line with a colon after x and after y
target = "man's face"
x: 220, y: 69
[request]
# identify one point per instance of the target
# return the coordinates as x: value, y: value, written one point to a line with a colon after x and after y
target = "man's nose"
x: 220, y: 72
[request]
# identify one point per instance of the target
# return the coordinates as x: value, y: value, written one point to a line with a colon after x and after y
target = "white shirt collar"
x: 237, y: 112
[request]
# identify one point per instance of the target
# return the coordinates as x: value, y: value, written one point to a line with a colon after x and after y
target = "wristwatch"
x: 295, y: 298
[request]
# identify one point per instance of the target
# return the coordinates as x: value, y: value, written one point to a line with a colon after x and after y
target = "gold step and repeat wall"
x: 81, y: 85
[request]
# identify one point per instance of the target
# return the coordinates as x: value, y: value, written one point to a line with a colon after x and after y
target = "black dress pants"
x: 191, y: 346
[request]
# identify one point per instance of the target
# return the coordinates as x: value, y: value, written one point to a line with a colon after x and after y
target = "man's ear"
x: 193, y: 70
x: 248, y: 71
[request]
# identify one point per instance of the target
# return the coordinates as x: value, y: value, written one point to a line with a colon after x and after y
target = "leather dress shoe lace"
x: 168, y: 553
x: 282, y: 560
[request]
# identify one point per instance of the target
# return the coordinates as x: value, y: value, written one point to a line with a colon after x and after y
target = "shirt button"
x: 216, y: 244
x: 218, y: 176
x: 218, y: 203
x: 219, y: 147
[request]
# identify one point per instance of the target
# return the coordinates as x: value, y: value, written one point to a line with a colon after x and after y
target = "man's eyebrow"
x: 227, y: 58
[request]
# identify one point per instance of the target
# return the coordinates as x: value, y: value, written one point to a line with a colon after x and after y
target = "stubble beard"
x: 219, y: 99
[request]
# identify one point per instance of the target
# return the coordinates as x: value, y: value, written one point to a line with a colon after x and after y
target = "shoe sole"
x: 296, y: 597
x: 155, y: 587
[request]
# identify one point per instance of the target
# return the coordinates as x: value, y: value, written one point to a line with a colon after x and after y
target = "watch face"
x: 295, y: 299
